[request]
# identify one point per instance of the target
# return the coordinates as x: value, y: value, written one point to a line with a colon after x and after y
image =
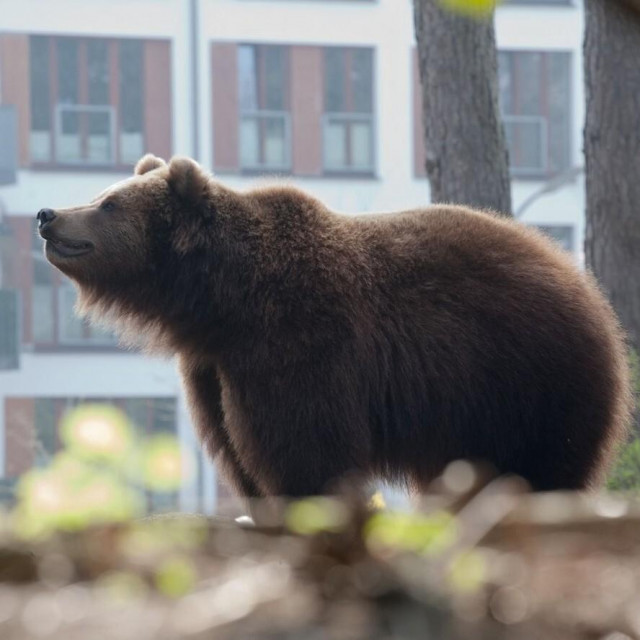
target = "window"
x: 131, y: 101
x: 348, y: 110
x: 43, y: 302
x: 265, y: 124
x: 300, y: 109
x: 86, y: 101
x: 563, y: 235
x: 45, y: 442
x: 536, y: 105
x: 53, y: 318
x: 9, y: 329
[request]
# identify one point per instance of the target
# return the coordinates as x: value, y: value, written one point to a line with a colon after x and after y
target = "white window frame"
x: 61, y: 109
x: 542, y: 122
x: 330, y: 117
x: 267, y: 114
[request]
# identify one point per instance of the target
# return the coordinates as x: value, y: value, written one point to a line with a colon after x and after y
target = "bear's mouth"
x: 67, y: 249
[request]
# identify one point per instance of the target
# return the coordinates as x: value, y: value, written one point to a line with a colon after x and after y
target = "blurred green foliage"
x: 430, y: 534
x: 625, y: 475
x: 313, y: 515
x: 176, y: 576
x: 474, y: 8
x: 467, y: 571
x: 100, y: 475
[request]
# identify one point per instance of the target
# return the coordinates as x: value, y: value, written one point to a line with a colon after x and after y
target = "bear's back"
x: 392, y: 344
x: 496, y: 335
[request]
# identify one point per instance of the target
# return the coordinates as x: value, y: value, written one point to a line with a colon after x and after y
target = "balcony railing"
x: 348, y: 142
x: 265, y: 140
x: 527, y: 138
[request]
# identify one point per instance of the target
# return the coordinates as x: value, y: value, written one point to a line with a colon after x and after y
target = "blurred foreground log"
x: 502, y: 565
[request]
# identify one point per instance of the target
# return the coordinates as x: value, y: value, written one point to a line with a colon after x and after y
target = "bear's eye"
x: 108, y: 205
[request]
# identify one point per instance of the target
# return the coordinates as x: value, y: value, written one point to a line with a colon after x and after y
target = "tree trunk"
x: 612, y: 154
x: 467, y: 160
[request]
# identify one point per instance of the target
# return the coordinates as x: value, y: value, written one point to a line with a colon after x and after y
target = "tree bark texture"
x: 612, y: 154
x: 467, y: 160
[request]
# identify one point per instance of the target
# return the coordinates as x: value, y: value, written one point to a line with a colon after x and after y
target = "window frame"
x: 262, y: 114
x: 547, y: 230
x: 349, y: 113
x: 85, y: 106
x: 532, y: 173
x: 59, y: 287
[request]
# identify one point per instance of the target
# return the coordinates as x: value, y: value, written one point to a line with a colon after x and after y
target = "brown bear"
x: 313, y: 345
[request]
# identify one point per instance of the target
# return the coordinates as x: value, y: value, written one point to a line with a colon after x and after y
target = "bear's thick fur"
x: 314, y: 345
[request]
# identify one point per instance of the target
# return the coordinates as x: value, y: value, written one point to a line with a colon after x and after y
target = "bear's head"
x: 137, y: 248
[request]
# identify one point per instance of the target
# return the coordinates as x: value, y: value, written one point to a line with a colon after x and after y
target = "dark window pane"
x: 559, y: 110
x: 152, y: 415
x: 67, y: 50
x: 164, y: 415
x: 99, y: 123
x: 563, y: 235
x: 526, y: 141
x: 263, y: 86
x: 71, y: 328
x: 98, y: 68
x: 131, y: 108
x: 43, y: 308
x: 275, y: 76
x: 334, y: 79
x: 131, y: 85
x: 535, y: 101
x: 361, y: 80
x: 46, y: 431
x: 137, y: 410
x: 39, y: 83
x: 247, y: 78
x: 529, y: 78
x: 348, y: 123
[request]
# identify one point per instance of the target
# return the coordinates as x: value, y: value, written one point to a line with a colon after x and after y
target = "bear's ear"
x: 148, y: 163
x: 187, y: 180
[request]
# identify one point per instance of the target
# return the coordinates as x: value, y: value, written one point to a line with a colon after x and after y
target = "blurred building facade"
x: 320, y: 93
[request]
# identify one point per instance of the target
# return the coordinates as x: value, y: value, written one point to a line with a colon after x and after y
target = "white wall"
x: 94, y: 374
x: 160, y: 18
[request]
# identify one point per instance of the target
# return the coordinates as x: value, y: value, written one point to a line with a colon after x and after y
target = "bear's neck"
x: 204, y: 304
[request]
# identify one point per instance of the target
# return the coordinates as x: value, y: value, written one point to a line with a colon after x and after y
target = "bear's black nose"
x: 44, y: 216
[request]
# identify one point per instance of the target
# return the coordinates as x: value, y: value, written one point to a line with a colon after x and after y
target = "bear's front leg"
x: 231, y: 470
x: 306, y: 452
x: 202, y: 387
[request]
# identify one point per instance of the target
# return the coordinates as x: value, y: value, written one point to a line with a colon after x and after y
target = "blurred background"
x: 324, y: 94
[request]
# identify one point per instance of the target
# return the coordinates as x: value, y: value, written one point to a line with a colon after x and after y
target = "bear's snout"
x: 63, y: 239
x: 44, y: 217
